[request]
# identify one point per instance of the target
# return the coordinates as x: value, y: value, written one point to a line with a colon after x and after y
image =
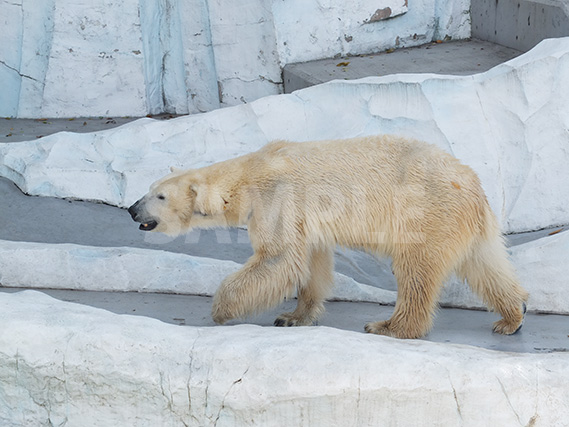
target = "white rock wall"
x: 68, y: 266
x: 509, y: 124
x: 67, y: 364
x: 68, y: 58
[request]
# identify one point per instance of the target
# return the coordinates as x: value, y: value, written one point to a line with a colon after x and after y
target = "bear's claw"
x: 524, y: 310
x: 288, y: 319
x: 279, y: 321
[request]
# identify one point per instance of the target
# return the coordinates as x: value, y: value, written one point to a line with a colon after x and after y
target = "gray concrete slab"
x: 519, y: 24
x: 462, y: 57
x: 540, y: 333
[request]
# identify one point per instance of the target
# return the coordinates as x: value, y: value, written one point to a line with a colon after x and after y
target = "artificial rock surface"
x: 134, y: 57
x: 67, y: 364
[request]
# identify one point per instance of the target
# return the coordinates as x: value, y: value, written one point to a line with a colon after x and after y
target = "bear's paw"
x: 510, y: 327
x: 290, y: 319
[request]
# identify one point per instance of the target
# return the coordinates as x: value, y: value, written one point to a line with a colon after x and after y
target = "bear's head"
x: 179, y: 202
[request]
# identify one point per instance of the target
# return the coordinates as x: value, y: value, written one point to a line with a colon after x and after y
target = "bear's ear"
x: 174, y: 169
x: 194, y: 187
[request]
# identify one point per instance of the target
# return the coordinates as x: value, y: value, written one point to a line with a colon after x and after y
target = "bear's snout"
x: 146, y: 224
x: 133, y: 210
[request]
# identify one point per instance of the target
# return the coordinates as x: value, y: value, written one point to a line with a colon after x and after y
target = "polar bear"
x: 387, y: 195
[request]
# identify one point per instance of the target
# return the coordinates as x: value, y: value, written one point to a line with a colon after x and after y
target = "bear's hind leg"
x: 418, y: 287
x: 311, y: 296
x: 491, y: 275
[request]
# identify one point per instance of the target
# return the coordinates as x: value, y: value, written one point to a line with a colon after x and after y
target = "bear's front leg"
x: 262, y: 283
x: 311, y: 297
x: 418, y: 286
x: 224, y: 303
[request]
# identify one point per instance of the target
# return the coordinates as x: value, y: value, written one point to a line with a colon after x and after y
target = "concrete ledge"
x: 66, y: 364
x: 459, y: 58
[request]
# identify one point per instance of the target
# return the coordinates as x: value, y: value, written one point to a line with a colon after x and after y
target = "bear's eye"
x: 161, y: 197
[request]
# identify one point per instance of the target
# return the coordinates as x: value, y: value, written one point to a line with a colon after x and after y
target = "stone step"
x: 462, y: 57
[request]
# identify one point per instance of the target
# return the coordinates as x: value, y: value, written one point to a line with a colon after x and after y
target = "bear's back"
x: 378, y: 183
x: 374, y: 157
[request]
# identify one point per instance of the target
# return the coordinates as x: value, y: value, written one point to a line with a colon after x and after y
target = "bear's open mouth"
x: 148, y: 226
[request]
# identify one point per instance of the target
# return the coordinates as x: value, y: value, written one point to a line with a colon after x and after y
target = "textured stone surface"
x: 66, y: 364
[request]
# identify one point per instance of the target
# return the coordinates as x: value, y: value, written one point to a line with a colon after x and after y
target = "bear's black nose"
x: 133, y: 210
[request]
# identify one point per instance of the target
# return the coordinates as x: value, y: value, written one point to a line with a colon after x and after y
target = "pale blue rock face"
x: 133, y: 58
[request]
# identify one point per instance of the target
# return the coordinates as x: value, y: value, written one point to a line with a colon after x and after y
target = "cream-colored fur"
x: 387, y: 195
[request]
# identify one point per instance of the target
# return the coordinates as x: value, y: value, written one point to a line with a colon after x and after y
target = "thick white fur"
x: 387, y: 195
